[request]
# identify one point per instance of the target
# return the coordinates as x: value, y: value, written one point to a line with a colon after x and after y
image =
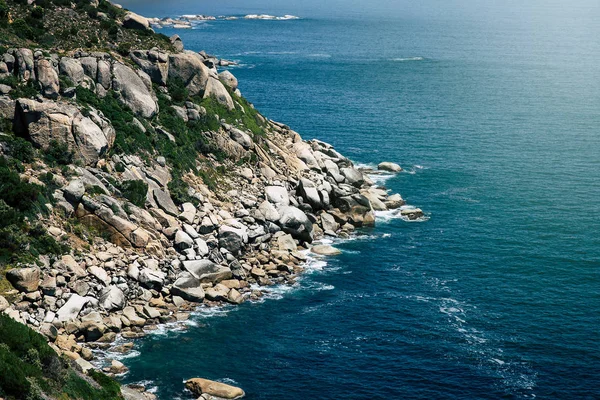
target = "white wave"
x: 205, y: 312
x: 401, y: 59
x: 389, y: 215
x: 229, y: 381
x: 270, y: 17
x: 320, y: 55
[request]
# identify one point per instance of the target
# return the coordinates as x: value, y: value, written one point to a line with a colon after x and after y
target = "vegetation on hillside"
x: 31, y: 370
x: 70, y: 24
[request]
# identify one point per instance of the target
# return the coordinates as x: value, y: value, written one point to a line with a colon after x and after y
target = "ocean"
x: 493, y: 110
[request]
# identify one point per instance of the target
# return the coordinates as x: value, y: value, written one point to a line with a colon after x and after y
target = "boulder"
x: 91, y: 140
x: 164, y: 201
x: 269, y: 211
x: 231, y: 241
x: 133, y: 317
x: 325, y: 250
x: 74, y: 191
x: 72, y: 308
x: 329, y: 223
x: 206, y: 271
x: 135, y: 21
x: 389, y: 166
x: 277, y: 195
x: 394, y: 201
x: 104, y: 74
x: 217, y: 293
x: 412, y: 213
x: 286, y: 242
x: 90, y: 66
x: 24, y: 279
x: 188, y: 287
x: 295, y: 222
x: 241, y: 137
x: 353, y: 176
x: 133, y: 91
x: 188, y: 67
x: 112, y: 298
x: 100, y: 274
x: 151, y: 279
x: 216, y: 90
x: 48, y: 79
x: 199, y: 386
x: 72, y: 69
x: 152, y: 65
x: 24, y: 64
x: 358, y: 208
x: 229, y: 80
x: 183, y: 241
x: 3, y: 304
x: 309, y: 193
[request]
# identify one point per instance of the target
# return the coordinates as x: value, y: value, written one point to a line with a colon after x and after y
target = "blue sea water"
x: 493, y: 109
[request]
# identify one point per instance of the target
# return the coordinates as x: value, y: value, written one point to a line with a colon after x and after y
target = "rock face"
x: 133, y: 92
x: 199, y: 386
x: 24, y: 279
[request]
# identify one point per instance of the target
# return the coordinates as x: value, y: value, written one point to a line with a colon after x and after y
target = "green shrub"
x: 178, y: 91
x: 58, y: 153
x: 179, y: 191
x: 124, y: 48
x: 22, y: 29
x: 135, y: 191
x: 13, y: 191
x: 21, y: 149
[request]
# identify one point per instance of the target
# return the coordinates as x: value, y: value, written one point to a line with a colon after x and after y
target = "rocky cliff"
x: 139, y: 183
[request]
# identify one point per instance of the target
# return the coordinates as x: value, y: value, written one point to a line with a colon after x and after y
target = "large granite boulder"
x: 295, y: 222
x: 135, y: 21
x: 188, y: 67
x: 206, y: 271
x: 358, y: 208
x: 112, y: 298
x: 199, y: 387
x: 24, y: 64
x: 229, y: 80
x: 72, y: 308
x: 48, y: 79
x: 24, y: 279
x: 153, y: 63
x: 89, y: 137
x: 72, y: 69
x: 188, y: 287
x: 216, y: 90
x: 133, y: 91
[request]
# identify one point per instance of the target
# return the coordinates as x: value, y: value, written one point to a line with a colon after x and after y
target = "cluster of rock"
x: 189, y: 21
x: 161, y: 260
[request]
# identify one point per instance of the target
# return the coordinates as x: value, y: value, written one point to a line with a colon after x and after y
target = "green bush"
x: 178, y: 91
x: 30, y: 369
x: 134, y: 191
x: 58, y: 153
x: 21, y: 149
x: 13, y: 191
x: 22, y: 29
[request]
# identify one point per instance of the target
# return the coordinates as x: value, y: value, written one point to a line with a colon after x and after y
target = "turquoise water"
x: 494, y: 112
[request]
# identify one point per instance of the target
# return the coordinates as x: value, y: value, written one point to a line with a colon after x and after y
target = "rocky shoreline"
x: 155, y: 262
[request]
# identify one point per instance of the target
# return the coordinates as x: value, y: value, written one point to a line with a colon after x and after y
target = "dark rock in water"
x: 358, y: 209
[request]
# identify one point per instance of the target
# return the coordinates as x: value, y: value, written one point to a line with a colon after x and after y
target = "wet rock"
x: 389, y: 166
x: 199, y: 386
x: 325, y: 250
